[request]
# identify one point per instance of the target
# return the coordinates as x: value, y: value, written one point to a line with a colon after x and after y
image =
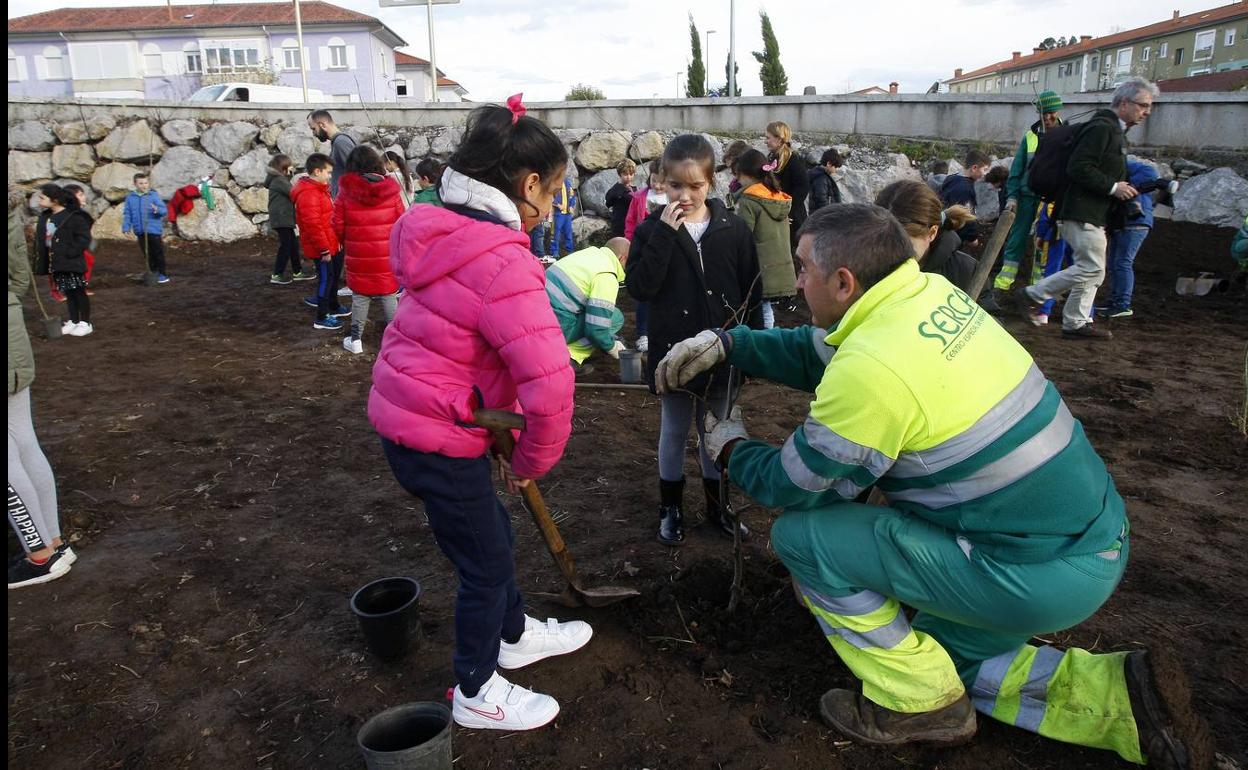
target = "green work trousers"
x: 855, y: 565
x: 1016, y: 242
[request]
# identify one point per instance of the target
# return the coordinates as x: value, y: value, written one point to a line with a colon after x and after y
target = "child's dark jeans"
x: 287, y: 251
x: 153, y: 250
x: 474, y: 531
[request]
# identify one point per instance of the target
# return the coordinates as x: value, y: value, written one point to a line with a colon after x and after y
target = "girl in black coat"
x: 62, y: 237
x: 696, y: 264
x: 932, y: 230
x: 792, y: 172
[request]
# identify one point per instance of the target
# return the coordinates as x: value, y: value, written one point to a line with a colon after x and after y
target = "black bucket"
x: 414, y: 736
x: 387, y: 610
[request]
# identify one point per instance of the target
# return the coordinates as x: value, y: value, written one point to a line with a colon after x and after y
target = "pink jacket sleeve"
x: 518, y: 322
x: 636, y: 212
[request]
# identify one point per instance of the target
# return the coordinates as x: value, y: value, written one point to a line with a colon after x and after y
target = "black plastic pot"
x: 52, y: 327
x: 414, y: 736
x: 388, y: 613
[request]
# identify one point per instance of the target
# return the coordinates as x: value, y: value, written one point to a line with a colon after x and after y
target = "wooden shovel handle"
x: 501, y: 423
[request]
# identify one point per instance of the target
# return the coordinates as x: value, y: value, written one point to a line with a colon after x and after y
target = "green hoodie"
x: 21, y: 359
x: 767, y: 214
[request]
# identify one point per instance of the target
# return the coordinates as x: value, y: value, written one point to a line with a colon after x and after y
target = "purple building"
x: 167, y: 52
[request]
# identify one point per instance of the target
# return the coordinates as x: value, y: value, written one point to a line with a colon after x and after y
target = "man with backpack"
x: 1092, y: 177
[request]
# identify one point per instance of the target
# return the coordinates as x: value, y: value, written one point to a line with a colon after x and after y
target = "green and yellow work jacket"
x: 582, y: 288
x: 919, y: 391
x: 1016, y: 183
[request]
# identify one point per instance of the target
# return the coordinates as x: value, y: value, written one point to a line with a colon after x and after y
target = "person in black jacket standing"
x: 62, y: 237
x: 620, y: 196
x: 823, y: 188
x: 791, y: 170
x: 1096, y: 177
x: 696, y: 264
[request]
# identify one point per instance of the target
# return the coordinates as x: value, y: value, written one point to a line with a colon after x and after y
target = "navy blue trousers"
x: 474, y: 531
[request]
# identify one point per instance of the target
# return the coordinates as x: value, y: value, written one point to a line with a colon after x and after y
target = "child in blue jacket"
x: 564, y: 209
x: 144, y: 215
x: 1126, y: 236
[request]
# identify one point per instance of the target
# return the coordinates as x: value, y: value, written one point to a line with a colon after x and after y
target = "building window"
x: 290, y: 54
x: 1124, y: 59
x: 192, y: 59
x: 1144, y: 54
x: 1078, y: 66
x: 1092, y: 63
x: 1197, y: 71
x: 153, y: 62
x: 53, y: 64
x: 1204, y: 45
x: 105, y: 60
x: 1230, y: 37
x: 15, y: 67
x: 400, y: 87
x: 1035, y: 76
x: 1178, y: 56
x: 232, y: 57
x: 1163, y: 51
x: 338, y: 57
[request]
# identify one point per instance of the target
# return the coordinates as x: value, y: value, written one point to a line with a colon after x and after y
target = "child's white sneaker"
x: 544, y: 640
x: 501, y: 705
x: 68, y: 327
x: 81, y: 329
x: 643, y: 344
x: 352, y: 345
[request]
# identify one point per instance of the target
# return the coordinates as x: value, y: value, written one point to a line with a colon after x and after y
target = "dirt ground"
x: 225, y: 494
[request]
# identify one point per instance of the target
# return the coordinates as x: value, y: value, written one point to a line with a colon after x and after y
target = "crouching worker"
x: 1001, y: 521
x: 582, y: 288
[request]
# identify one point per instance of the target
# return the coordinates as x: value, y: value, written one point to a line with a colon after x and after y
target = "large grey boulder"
x: 1219, y: 197
x: 180, y: 131
x: 271, y: 133
x: 114, y: 180
x: 107, y: 225
x: 717, y: 146
x: 76, y: 161
x: 297, y: 142
x: 254, y: 200
x: 31, y: 136
x: 594, y: 191
x: 418, y: 147
x: 224, y: 224
x: 445, y: 141
x: 571, y: 135
x: 646, y: 146
x: 860, y: 184
x: 181, y: 166
x: 133, y: 143
x: 226, y: 141
x: 603, y: 150
x: 29, y: 166
x: 252, y: 167
x: 94, y: 129
x: 588, y: 227
x: 987, y: 203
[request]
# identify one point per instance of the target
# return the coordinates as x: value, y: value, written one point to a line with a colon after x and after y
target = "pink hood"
x: 474, y: 329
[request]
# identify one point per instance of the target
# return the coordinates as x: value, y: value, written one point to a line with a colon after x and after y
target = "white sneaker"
x: 81, y: 329
x: 352, y: 345
x: 67, y: 327
x: 544, y: 640
x: 345, y: 292
x: 643, y: 344
x: 501, y: 705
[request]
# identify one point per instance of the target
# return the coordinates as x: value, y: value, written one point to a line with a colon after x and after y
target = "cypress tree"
x: 775, y: 81
x: 695, y: 83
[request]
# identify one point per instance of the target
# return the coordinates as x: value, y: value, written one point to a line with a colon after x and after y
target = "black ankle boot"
x: 718, y: 514
x: 671, y: 513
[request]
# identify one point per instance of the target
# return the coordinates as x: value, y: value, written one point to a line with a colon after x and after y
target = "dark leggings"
x: 287, y: 251
x: 79, y: 305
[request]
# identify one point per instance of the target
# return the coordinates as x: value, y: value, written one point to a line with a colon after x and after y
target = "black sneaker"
x: 1172, y: 735
x: 24, y: 572
x: 1088, y: 332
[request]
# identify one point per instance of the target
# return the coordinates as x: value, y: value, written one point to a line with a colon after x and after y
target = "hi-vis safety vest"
x: 582, y: 288
x: 920, y: 391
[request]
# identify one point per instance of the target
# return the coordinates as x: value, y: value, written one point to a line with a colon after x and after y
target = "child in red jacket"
x: 313, y: 213
x: 369, y: 202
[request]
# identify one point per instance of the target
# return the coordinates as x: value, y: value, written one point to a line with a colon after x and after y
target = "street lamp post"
x: 678, y: 74
x: 303, y: 65
x: 709, y: 32
x: 732, y: 48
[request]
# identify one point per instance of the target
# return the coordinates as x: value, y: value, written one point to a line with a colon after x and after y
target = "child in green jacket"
x: 766, y: 210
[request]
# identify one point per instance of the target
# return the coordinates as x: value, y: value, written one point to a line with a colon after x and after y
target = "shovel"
x: 501, y: 423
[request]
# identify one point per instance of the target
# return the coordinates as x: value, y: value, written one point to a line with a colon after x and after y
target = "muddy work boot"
x: 671, y: 513
x: 717, y: 514
x: 1172, y: 735
x: 867, y: 722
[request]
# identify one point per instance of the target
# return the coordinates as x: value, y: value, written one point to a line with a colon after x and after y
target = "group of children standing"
x: 347, y: 231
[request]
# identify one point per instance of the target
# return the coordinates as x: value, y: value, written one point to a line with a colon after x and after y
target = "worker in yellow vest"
x: 1002, y: 523
x: 582, y: 288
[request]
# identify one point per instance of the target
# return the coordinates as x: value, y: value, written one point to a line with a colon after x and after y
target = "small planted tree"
x: 695, y: 80
x: 771, y: 72
x: 583, y: 93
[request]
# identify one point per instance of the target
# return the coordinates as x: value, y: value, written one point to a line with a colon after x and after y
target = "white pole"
x: 433, y: 56
x: 732, y: 48
x: 303, y: 65
x: 707, y: 55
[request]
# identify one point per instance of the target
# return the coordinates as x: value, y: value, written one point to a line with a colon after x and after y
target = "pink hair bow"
x: 772, y: 166
x: 517, y: 107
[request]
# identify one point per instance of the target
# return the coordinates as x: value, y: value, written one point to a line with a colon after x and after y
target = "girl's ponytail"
x: 781, y: 131
x: 956, y: 217
x: 755, y: 165
x: 499, y: 147
x: 919, y: 209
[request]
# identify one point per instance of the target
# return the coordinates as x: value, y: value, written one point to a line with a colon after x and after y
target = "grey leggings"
x: 677, y: 411
x: 32, y: 490
x: 359, y: 310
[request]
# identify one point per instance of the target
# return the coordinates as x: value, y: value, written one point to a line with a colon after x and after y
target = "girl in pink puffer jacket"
x: 474, y: 329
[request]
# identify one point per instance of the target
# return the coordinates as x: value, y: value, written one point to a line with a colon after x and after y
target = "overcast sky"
x: 634, y: 48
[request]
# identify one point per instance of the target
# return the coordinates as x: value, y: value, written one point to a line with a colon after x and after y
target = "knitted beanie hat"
x: 1048, y: 101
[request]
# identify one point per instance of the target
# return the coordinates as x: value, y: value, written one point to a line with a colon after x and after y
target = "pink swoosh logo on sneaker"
x: 497, y: 716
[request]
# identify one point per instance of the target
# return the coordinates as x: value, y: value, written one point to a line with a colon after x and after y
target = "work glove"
x: 614, y: 352
x: 720, y: 432
x: 687, y: 359
x: 1011, y: 204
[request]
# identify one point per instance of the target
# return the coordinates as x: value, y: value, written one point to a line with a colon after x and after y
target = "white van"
x: 255, y: 92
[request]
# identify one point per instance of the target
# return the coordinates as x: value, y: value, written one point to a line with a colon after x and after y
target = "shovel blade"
x: 588, y: 597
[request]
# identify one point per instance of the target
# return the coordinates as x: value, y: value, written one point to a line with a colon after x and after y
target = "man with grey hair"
x: 1095, y: 177
x: 999, y: 522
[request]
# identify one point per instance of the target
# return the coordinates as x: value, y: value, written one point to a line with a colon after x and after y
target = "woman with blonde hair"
x: 932, y: 229
x: 792, y: 172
